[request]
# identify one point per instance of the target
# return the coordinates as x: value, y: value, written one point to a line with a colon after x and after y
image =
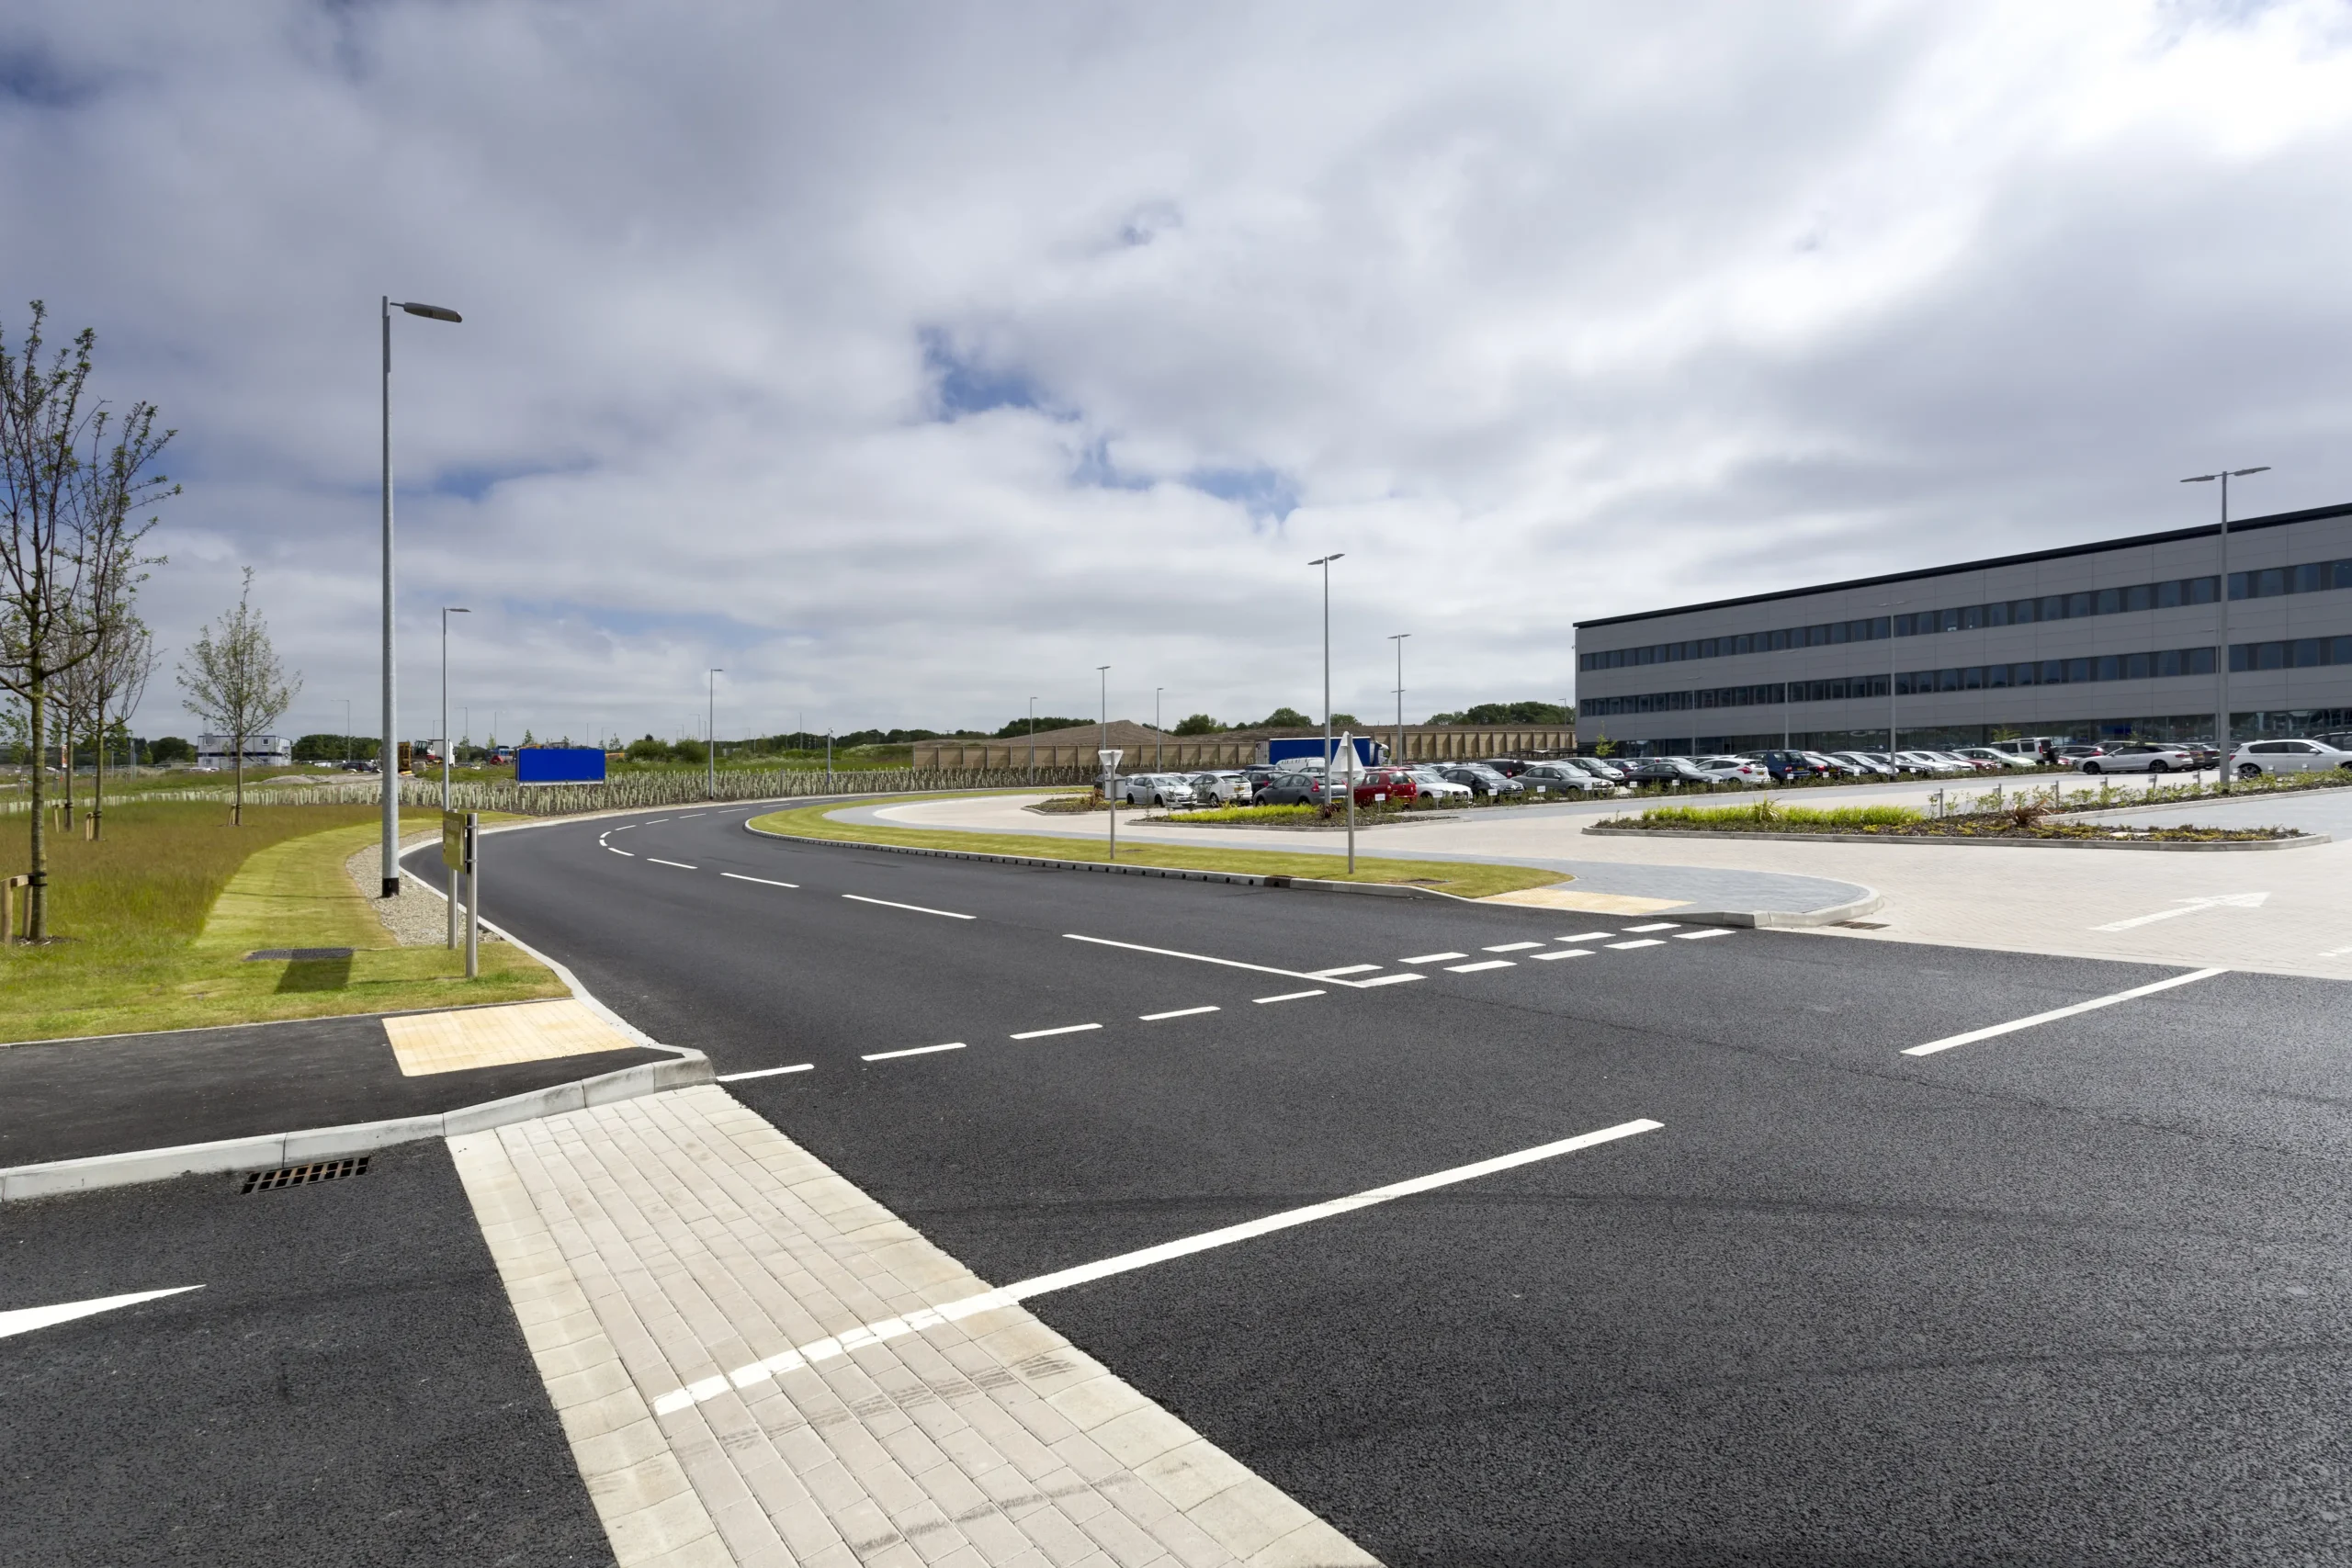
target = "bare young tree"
x: 104, y: 690
x: 234, y: 683
x: 66, y: 500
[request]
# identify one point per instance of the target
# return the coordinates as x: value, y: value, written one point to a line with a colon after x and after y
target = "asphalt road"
x: 349, y: 1386
x: 2074, y: 1294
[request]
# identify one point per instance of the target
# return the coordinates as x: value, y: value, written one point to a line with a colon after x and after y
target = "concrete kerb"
x: 2302, y: 841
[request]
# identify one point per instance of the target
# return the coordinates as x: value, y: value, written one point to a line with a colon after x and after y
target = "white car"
x: 1997, y: 757
x: 1156, y: 789
x: 2259, y: 756
x: 1930, y: 762
x: 1865, y: 763
x: 1444, y: 791
x: 2141, y: 757
x: 1220, y: 788
x: 1734, y: 771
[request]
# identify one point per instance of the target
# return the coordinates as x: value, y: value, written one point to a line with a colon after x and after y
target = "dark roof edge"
x: 2275, y: 520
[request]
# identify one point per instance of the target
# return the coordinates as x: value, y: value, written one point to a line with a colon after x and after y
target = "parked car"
x: 1558, y: 778
x: 1509, y: 767
x: 1835, y: 766
x: 2140, y: 757
x: 1220, y: 788
x: 1996, y: 756
x: 2259, y: 756
x: 1155, y: 789
x: 1386, y: 786
x: 2068, y: 756
x: 1734, y: 771
x: 1672, y: 773
x: 1481, y: 780
x: 1931, y: 764
x: 1599, y: 767
x: 1436, y: 786
x: 1786, y: 765
x: 1868, y: 765
x: 1301, y: 785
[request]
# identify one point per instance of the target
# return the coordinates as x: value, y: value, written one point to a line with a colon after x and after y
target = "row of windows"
x: 2265, y: 584
x: 2167, y: 662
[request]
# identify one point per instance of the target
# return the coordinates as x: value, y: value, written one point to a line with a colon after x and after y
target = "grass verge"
x: 1464, y: 879
x: 158, y: 916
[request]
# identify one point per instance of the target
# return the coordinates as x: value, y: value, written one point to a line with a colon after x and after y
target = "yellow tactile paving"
x: 1589, y: 903
x: 491, y: 1037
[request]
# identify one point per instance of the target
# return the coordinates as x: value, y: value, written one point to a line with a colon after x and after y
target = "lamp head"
x: 2199, y: 479
x: 2240, y: 473
x: 431, y: 313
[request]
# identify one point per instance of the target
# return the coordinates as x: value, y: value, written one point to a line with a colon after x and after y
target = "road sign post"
x: 460, y: 833
x: 1110, y: 802
x: 1348, y: 751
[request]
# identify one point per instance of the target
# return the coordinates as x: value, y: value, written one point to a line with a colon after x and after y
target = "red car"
x: 1386, y: 786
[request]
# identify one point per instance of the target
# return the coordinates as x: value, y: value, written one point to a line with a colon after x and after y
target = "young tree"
x: 63, y: 516
x: 97, y: 696
x: 234, y: 683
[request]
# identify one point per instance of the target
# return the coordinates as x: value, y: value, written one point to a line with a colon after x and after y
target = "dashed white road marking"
x: 918, y: 909
x: 1344, y: 969
x: 1586, y: 936
x: 1386, y: 980
x: 1475, y: 968
x: 762, y: 881
x: 622, y: 829
x: 657, y: 820
x: 1433, y: 958
x: 1510, y: 947
x: 2191, y: 907
x: 23, y: 1320
x: 1654, y: 926
x: 1064, y: 1029
x: 1288, y: 997
x: 657, y: 860
x: 1703, y: 936
x: 620, y: 851
x: 767, y: 1072
x: 1932, y: 1047
x: 1180, y: 1012
x: 1205, y: 958
x: 1021, y: 1290
x: 688, y: 816
x: 1563, y: 952
x: 912, y: 1051
x: 1643, y: 942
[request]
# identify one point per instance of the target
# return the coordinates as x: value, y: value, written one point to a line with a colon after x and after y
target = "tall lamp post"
x: 2221, y: 606
x: 1155, y: 727
x: 391, y: 765
x: 1889, y: 606
x: 447, y: 611
x: 1399, y: 639
x: 710, y: 736
x: 1032, y: 740
x: 1103, y: 720
x: 1325, y: 564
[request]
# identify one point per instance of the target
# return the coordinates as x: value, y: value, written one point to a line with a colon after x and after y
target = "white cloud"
x: 906, y: 361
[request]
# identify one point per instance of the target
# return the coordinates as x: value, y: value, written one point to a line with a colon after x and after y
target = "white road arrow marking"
x: 2191, y: 907
x: 23, y: 1320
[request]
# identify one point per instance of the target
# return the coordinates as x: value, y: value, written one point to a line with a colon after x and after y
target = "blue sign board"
x: 1282, y: 750
x: 560, y: 764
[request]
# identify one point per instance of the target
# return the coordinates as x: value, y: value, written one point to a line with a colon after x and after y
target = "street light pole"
x: 1103, y: 720
x: 1399, y: 639
x: 1032, y: 740
x: 1889, y: 606
x: 2222, y: 609
x: 710, y: 736
x: 1155, y: 728
x: 389, y: 866
x: 447, y: 611
x: 1325, y: 564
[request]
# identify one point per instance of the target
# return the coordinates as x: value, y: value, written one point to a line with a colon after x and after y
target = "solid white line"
x: 1064, y: 1029
x: 689, y: 817
x: 681, y: 865
x: 1385, y: 980
x: 1085, y: 1273
x: 765, y: 1072
x: 1644, y: 942
x: 1654, y: 926
x: 1564, y: 952
x: 23, y: 1320
x: 630, y: 855
x: 1345, y: 969
x: 1180, y: 1012
x: 1475, y: 968
x: 761, y: 880
x: 1288, y: 997
x: 1205, y: 958
x: 1586, y: 936
x: 655, y: 820
x: 1932, y: 1047
x: 1701, y: 936
x: 1433, y: 958
x: 912, y: 1051
x: 1510, y: 947
x: 622, y: 829
x: 918, y: 909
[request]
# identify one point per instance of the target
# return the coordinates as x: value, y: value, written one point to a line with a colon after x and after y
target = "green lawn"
x: 1465, y: 879
x: 155, y: 920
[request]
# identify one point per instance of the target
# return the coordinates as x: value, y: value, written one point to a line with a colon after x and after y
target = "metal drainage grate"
x: 302, y: 1175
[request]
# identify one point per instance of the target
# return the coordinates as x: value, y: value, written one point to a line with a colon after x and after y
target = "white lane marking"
x: 1475, y: 968
x: 1064, y: 1029
x: 1288, y: 997
x: 1180, y: 1012
x: 689, y: 816
x: 766, y: 1072
x: 916, y: 1322
x: 619, y: 851
x: 1386, y: 980
x: 1564, y: 952
x: 657, y: 820
x: 912, y: 1051
x: 1644, y: 942
x: 1586, y: 936
x: 622, y: 829
x: 1932, y: 1047
x: 2191, y: 907
x: 918, y: 909
x: 761, y: 880
x: 1205, y: 958
x: 1654, y: 926
x: 1701, y: 936
x: 1433, y: 958
x: 657, y: 860
x: 1345, y: 969
x: 23, y: 1320
x: 1510, y: 947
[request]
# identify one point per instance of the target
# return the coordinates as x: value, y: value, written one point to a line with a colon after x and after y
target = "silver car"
x: 1220, y: 788
x: 1156, y: 789
x: 2141, y: 757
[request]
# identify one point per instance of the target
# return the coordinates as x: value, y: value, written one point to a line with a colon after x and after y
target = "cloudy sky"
x: 911, y: 360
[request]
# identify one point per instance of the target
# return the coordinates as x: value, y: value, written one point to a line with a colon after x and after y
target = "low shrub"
x: 1794, y: 819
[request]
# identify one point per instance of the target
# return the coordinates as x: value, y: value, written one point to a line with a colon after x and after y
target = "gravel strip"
x: 417, y: 917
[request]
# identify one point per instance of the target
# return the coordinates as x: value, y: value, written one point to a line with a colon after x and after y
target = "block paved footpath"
x: 657, y: 1248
